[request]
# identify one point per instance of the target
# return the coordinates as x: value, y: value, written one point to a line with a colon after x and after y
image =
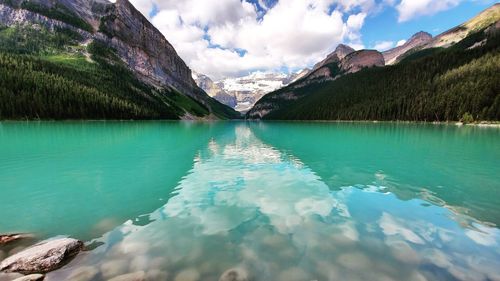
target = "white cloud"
x: 400, y: 43
x: 230, y: 38
x: 383, y: 45
x: 410, y: 9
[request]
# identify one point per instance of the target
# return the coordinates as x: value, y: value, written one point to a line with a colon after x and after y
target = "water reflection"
x: 262, y: 212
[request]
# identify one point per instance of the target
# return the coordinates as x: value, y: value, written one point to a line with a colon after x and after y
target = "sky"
x: 233, y: 38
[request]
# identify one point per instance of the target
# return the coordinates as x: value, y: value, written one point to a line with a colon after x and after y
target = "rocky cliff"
x: 359, y: 60
x: 119, y: 26
x: 214, y: 90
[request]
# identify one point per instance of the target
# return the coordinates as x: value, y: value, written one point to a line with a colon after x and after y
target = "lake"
x: 274, y: 201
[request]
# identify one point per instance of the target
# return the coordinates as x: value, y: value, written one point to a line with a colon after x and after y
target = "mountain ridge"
x: 419, y: 63
x: 123, y: 29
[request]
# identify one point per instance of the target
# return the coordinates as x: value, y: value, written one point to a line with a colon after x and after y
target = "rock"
x: 155, y: 274
x: 234, y: 274
x: 136, y: 276
x: 31, y: 277
x: 293, y: 274
x: 9, y: 276
x: 84, y: 273
x: 42, y: 257
x: 113, y: 268
x: 7, y: 238
x: 139, y: 263
x: 392, y: 56
x: 188, y: 275
x: 358, y: 60
x: 355, y: 261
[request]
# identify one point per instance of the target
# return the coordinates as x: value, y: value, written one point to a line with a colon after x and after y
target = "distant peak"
x: 343, y: 50
x: 421, y: 34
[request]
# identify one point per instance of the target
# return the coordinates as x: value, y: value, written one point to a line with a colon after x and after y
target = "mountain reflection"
x: 249, y: 205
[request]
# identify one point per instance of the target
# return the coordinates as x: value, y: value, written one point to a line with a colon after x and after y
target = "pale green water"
x: 282, y: 201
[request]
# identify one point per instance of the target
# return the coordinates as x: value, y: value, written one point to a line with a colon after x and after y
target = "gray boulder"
x: 42, y: 257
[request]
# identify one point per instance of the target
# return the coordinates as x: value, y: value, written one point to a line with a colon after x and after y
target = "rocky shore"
x: 31, y: 263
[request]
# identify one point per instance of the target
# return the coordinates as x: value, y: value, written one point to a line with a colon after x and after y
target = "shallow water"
x: 276, y: 201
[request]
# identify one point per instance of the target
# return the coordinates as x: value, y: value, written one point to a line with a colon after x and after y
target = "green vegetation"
x: 49, y: 75
x: 431, y: 85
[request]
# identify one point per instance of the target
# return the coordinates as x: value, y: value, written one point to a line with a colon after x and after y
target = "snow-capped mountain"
x: 245, y: 91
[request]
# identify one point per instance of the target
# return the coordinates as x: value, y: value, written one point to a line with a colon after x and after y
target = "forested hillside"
x: 58, y: 72
x: 431, y: 85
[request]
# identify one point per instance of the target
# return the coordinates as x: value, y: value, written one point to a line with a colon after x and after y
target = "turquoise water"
x: 278, y: 201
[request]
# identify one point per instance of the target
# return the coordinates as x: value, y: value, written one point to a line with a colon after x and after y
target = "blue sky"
x: 232, y: 38
x: 385, y: 26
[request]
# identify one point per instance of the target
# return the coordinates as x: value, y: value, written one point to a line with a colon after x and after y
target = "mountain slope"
x: 429, y: 84
x: 214, y: 90
x: 109, y: 50
x: 417, y: 40
x: 343, y: 61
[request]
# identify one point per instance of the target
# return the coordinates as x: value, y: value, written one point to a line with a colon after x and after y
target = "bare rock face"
x: 339, y: 54
x: 419, y: 39
x: 42, y: 257
x: 214, y: 90
x: 343, y: 50
x: 356, y: 61
x: 145, y: 49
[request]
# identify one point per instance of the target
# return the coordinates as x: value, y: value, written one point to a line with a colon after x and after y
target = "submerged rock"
x: 31, y: 277
x: 42, y: 257
x: 7, y: 238
x: 114, y: 268
x: 84, y: 273
x: 9, y: 276
x: 234, y: 274
x: 136, y: 276
x: 188, y: 275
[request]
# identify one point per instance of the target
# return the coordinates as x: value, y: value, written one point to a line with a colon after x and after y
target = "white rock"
x: 42, y: 257
x: 136, y: 276
x: 32, y: 277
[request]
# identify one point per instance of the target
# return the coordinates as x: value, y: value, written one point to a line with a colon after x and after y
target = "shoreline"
x: 488, y: 124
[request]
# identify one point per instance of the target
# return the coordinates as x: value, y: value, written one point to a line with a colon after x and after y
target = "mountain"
x: 483, y: 20
x: 342, y: 61
x: 214, y: 90
x: 109, y: 61
x: 425, y: 83
x: 419, y: 39
x: 243, y: 92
